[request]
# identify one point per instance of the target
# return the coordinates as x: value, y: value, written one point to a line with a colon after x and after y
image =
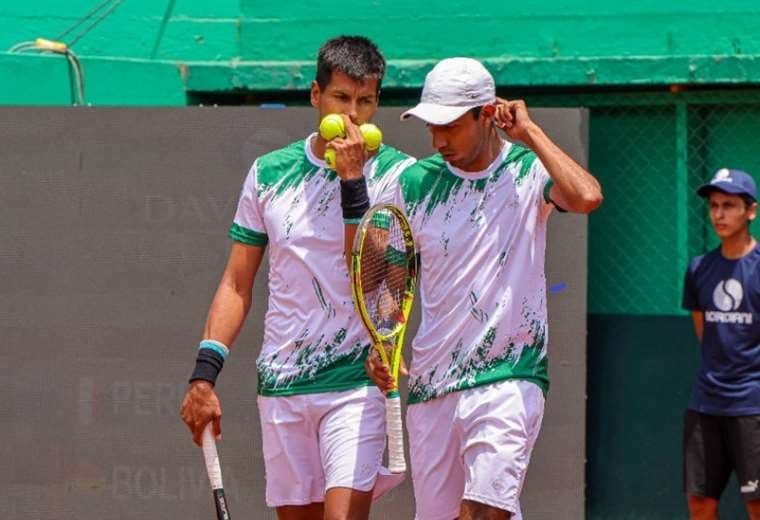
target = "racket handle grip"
x: 213, y: 468
x: 396, y: 461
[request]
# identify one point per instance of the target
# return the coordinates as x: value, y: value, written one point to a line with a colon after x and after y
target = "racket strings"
x: 384, y: 272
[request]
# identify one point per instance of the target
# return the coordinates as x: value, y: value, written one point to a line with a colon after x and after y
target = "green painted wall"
x: 249, y: 45
x: 651, y: 152
x: 546, y: 29
x: 640, y: 373
x: 635, y: 270
x: 195, y: 30
x: 47, y: 80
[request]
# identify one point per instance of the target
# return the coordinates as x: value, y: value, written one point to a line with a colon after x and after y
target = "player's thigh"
x: 501, y: 423
x: 352, y: 438
x: 309, y: 512
x: 294, y: 474
x: 436, y: 461
x: 706, y: 463
x: 744, y: 445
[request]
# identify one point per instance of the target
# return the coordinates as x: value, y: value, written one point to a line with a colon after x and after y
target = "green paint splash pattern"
x: 323, y: 303
x: 444, y: 243
x: 289, y: 221
x: 287, y: 168
x: 503, y: 259
x: 313, y: 361
x: 477, y: 366
x: 476, y: 312
x: 307, y: 363
x: 385, y: 161
x: 429, y: 184
x: 522, y: 156
x: 325, y: 201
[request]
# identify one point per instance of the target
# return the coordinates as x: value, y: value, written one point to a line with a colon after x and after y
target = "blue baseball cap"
x: 734, y: 182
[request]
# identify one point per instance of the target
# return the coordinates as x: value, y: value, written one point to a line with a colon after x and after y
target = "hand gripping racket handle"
x: 214, y: 471
x: 396, y: 461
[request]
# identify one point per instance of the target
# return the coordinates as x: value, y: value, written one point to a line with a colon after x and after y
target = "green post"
x: 682, y: 187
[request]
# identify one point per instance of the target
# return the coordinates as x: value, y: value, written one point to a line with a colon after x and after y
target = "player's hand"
x: 513, y: 118
x: 380, y: 373
x: 199, y: 407
x: 350, y: 153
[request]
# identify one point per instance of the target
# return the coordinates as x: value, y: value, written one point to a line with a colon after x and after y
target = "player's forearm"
x: 581, y: 192
x: 227, y: 313
x: 698, y: 318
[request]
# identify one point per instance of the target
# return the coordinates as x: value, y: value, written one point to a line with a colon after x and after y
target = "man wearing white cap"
x: 478, y: 209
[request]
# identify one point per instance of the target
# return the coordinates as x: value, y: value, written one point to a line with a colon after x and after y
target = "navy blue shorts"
x: 714, y: 447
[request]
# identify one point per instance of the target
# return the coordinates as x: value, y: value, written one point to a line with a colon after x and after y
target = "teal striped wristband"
x: 217, y: 346
x: 210, y: 360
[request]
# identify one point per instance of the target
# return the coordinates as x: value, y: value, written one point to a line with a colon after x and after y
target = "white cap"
x: 454, y: 86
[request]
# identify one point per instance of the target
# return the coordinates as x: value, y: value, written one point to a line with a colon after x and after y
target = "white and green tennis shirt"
x: 313, y: 339
x: 481, y: 238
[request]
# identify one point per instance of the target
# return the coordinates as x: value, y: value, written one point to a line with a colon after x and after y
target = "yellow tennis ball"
x: 330, y: 158
x: 372, y: 135
x: 332, y: 126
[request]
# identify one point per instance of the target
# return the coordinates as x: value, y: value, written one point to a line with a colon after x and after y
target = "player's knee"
x: 345, y: 515
x: 352, y: 507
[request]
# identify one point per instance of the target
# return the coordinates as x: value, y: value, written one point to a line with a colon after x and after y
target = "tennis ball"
x: 330, y: 158
x: 332, y: 126
x: 372, y: 135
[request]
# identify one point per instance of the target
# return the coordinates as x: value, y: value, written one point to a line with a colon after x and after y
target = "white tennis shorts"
x: 314, y: 442
x: 474, y: 445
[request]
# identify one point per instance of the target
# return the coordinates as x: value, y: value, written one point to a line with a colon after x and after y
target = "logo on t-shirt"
x: 727, y: 297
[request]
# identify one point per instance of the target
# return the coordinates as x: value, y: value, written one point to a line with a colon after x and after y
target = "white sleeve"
x: 248, y: 225
x: 542, y: 184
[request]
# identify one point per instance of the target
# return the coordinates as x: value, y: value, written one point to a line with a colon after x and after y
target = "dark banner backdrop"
x: 112, y: 239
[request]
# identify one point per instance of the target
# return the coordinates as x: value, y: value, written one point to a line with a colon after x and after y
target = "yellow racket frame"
x: 395, y: 336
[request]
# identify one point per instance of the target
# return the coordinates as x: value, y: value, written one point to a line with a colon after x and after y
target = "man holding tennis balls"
x: 322, y: 419
x: 478, y: 210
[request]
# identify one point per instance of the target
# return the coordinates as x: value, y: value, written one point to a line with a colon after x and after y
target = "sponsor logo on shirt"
x: 727, y: 297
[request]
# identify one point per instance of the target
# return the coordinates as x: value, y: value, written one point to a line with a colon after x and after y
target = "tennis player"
x: 478, y: 209
x: 722, y: 291
x: 322, y: 419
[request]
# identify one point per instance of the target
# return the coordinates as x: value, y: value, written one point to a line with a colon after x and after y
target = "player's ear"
x: 487, y: 113
x: 315, y: 94
x: 752, y: 211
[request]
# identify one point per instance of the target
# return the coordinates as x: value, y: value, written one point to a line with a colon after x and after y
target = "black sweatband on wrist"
x: 354, y: 198
x: 208, y: 364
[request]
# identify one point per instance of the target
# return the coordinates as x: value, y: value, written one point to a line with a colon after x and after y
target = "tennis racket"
x: 214, y: 473
x: 383, y: 278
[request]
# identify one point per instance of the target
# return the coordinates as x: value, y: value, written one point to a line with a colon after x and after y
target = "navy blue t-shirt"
x: 728, y: 291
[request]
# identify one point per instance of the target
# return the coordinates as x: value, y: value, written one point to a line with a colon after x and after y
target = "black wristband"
x: 208, y: 364
x: 354, y: 198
